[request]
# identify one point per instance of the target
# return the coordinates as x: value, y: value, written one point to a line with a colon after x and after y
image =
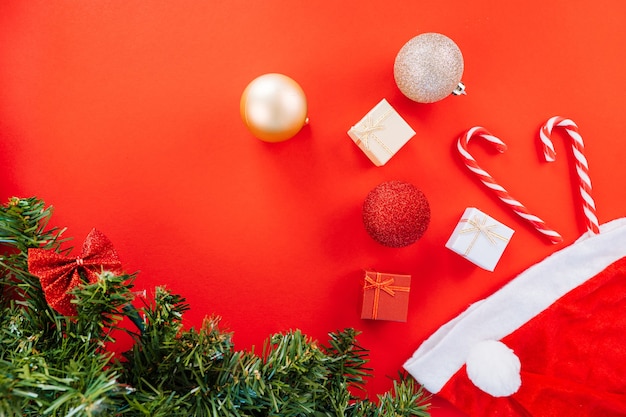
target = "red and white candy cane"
x: 582, y: 168
x: 490, y: 183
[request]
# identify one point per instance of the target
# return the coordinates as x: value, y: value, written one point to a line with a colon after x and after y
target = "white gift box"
x: 480, y: 238
x: 381, y: 133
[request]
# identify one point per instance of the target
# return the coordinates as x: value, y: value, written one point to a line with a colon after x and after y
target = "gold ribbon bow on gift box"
x: 368, y: 127
x: 379, y: 286
x: 479, y: 227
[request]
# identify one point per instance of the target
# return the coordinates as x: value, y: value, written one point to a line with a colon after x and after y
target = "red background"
x: 124, y: 115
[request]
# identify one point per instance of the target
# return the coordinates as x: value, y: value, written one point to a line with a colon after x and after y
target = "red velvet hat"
x: 552, y: 342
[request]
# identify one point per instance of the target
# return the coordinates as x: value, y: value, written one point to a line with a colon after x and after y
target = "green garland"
x: 51, y: 365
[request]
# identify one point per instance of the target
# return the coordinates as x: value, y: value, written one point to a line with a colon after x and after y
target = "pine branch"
x: 41, y: 381
x: 407, y: 399
x: 101, y: 306
x: 347, y: 365
x: 51, y: 365
x: 24, y: 224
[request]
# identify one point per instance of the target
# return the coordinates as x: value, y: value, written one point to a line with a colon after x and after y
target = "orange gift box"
x: 385, y: 296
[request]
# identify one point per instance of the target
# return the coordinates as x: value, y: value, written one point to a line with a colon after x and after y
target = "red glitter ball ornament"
x: 396, y: 214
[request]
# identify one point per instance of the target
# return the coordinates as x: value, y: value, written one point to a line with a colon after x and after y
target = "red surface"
x: 125, y: 117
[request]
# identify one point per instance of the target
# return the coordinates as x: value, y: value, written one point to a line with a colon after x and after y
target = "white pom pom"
x: 494, y: 368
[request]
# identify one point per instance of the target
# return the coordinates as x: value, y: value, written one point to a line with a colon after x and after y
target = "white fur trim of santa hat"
x: 461, y: 340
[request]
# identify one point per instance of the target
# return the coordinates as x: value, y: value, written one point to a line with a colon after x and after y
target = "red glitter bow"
x: 59, y: 274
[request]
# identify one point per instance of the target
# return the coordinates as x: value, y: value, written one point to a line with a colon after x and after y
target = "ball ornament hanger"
x: 428, y: 68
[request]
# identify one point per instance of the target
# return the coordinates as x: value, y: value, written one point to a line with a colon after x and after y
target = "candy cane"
x: 490, y: 183
x: 582, y: 168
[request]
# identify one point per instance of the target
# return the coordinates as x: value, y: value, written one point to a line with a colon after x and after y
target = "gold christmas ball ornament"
x: 273, y: 107
x: 429, y: 68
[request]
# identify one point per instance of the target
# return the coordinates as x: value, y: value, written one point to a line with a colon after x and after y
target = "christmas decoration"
x: 429, y: 68
x: 480, y: 238
x: 274, y: 107
x: 550, y: 342
x: 54, y: 365
x: 381, y: 133
x: 563, y: 319
x: 385, y: 296
x: 59, y: 274
x: 504, y: 196
x: 584, y: 182
x: 396, y: 213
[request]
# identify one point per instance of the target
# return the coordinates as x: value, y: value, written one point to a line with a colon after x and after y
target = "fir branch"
x: 347, y: 363
x: 84, y: 385
x: 407, y: 399
x: 24, y: 224
x: 296, y: 374
x: 51, y: 365
x: 100, y: 306
x: 147, y: 362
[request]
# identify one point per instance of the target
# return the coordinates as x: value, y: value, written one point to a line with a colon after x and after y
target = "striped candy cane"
x: 490, y: 183
x: 582, y: 168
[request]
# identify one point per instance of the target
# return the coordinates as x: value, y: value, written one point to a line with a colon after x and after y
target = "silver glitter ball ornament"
x: 429, y: 68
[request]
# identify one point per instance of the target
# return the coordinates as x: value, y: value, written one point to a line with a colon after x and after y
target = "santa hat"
x: 552, y: 342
